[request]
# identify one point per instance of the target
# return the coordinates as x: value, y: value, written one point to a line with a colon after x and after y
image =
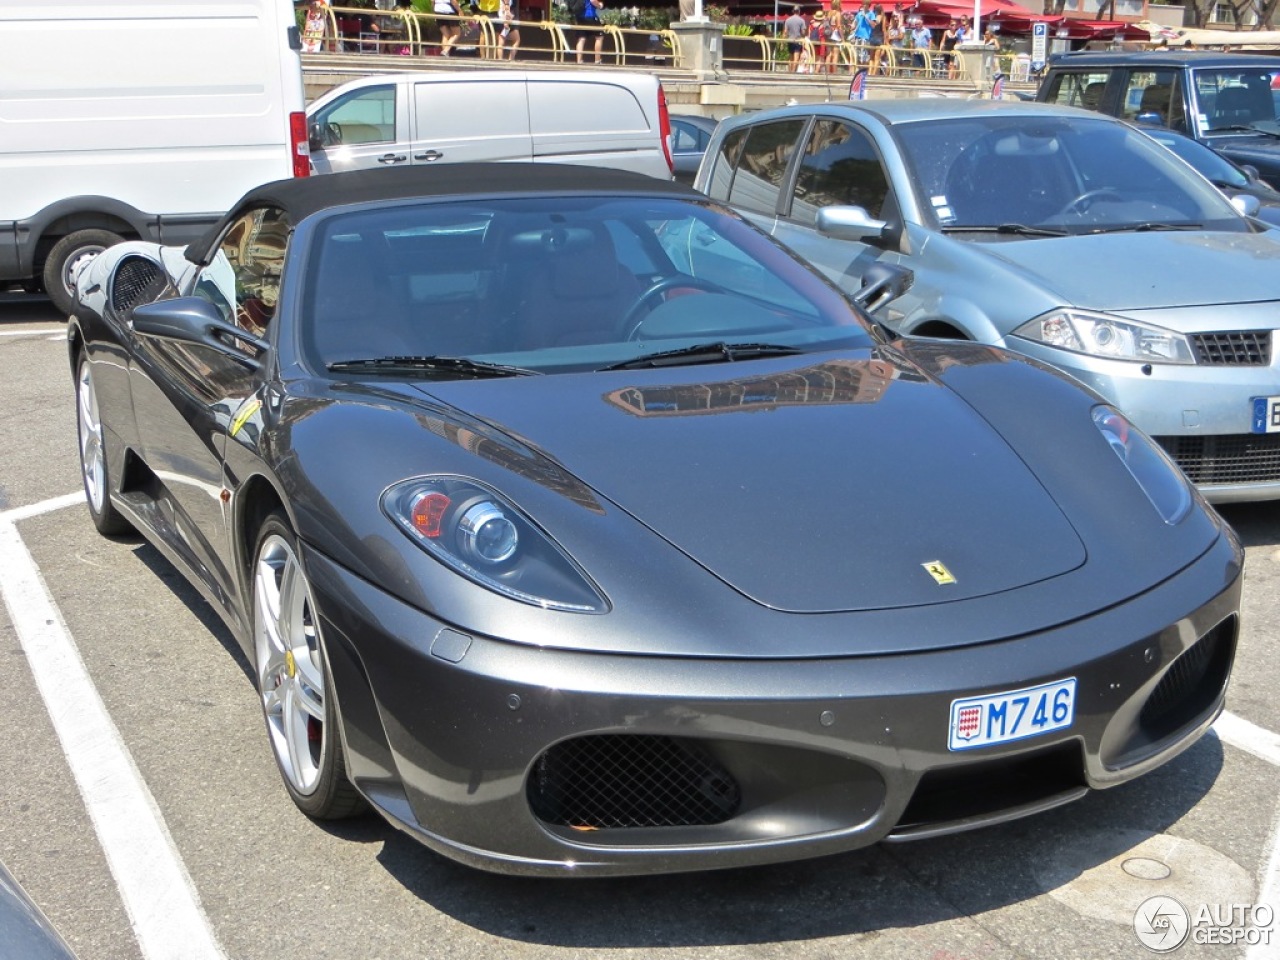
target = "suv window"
x: 1078, y: 89
x: 839, y: 166
x: 1154, y: 96
x: 752, y: 163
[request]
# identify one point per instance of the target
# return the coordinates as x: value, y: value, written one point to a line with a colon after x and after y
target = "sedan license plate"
x: 1266, y: 415
x: 1012, y: 715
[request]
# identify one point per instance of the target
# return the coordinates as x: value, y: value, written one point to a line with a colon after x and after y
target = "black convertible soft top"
x: 302, y: 196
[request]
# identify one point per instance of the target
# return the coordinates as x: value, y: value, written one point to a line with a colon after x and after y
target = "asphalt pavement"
x: 143, y: 813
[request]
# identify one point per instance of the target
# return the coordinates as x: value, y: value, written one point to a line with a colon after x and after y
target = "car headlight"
x: 1160, y: 479
x: 483, y: 537
x: 1101, y: 335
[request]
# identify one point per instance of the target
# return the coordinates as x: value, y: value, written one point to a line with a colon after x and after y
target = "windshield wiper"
x: 719, y: 352
x: 1150, y: 226
x: 462, y: 366
x: 1243, y: 128
x: 1018, y: 229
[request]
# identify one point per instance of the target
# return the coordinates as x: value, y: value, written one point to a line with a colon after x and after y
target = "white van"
x: 593, y: 117
x: 140, y: 120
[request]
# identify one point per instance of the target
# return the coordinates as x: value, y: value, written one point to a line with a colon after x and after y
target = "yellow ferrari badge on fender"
x: 937, y: 569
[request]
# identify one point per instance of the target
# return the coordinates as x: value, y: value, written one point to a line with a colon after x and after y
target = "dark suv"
x: 1227, y: 101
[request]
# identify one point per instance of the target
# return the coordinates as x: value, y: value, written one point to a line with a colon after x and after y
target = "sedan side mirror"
x: 1247, y: 204
x: 197, y: 321
x: 1250, y: 171
x: 850, y: 223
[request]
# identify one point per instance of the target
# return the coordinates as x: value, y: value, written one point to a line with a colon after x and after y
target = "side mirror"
x: 196, y: 321
x: 321, y: 135
x: 850, y: 223
x: 1250, y: 171
x: 1247, y: 204
x: 881, y: 283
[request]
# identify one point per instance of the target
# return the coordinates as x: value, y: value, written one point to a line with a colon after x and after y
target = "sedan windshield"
x: 542, y: 285
x: 992, y: 174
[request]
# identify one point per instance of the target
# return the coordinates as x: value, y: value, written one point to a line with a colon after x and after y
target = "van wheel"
x: 65, y: 259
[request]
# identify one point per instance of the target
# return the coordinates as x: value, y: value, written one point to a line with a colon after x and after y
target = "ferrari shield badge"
x: 938, y: 570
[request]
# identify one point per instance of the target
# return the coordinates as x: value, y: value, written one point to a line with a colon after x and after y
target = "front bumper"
x: 472, y: 745
x: 1200, y: 414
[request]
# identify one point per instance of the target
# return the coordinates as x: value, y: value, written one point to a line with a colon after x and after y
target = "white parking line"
x: 32, y: 333
x: 157, y: 892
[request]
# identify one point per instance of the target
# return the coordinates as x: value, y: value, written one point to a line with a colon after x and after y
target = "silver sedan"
x: 1055, y: 232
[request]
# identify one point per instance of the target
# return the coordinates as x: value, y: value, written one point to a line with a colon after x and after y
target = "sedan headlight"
x: 1102, y: 335
x: 1163, y: 483
x: 483, y: 537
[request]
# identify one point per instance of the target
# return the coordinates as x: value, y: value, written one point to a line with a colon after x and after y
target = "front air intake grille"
x: 1191, y: 684
x: 1239, y: 458
x: 136, y: 280
x: 631, y: 780
x: 1235, y: 348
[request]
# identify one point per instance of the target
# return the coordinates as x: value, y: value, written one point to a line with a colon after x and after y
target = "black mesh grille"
x: 1192, y: 682
x: 137, y: 280
x: 1237, y: 348
x: 631, y: 780
x: 1242, y: 458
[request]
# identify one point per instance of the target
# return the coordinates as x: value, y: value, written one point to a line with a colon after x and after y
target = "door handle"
x: 392, y: 158
x: 429, y: 155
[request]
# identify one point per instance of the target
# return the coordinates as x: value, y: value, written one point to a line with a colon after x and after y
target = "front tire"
x: 294, y: 681
x: 93, y: 456
x: 65, y: 258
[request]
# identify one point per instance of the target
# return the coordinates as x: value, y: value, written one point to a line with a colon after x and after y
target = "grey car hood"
x: 813, y: 484
x: 1138, y: 271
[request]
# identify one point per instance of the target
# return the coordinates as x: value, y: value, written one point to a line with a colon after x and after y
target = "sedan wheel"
x: 93, y: 456
x: 293, y: 679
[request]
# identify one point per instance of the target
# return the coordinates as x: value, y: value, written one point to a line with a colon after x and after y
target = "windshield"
x: 555, y: 284
x: 1063, y: 175
x: 1208, y: 163
x: 1235, y: 99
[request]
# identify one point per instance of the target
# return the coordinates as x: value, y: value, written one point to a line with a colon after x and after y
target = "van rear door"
x: 470, y: 119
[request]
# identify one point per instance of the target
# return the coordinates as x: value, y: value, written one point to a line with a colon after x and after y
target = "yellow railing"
x: 411, y: 33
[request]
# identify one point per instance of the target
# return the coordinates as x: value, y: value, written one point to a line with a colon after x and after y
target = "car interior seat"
x: 1006, y: 177
x: 1155, y: 100
x: 1240, y: 106
x: 570, y: 287
x: 1091, y: 98
x: 356, y: 312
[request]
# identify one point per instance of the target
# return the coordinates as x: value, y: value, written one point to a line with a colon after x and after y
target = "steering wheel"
x: 677, y: 281
x: 1082, y: 203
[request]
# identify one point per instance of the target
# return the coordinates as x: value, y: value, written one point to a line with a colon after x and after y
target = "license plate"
x: 1266, y: 415
x: 1012, y: 715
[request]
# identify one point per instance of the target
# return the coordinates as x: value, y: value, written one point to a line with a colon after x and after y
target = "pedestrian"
x: 446, y: 12
x: 834, y: 36
x: 508, y: 30
x: 922, y: 47
x: 587, y: 17
x: 864, y: 22
x: 793, y: 29
x: 818, y: 41
x: 947, y: 46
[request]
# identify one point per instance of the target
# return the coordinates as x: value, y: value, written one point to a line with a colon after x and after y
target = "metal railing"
x: 772, y: 54
x: 413, y: 33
